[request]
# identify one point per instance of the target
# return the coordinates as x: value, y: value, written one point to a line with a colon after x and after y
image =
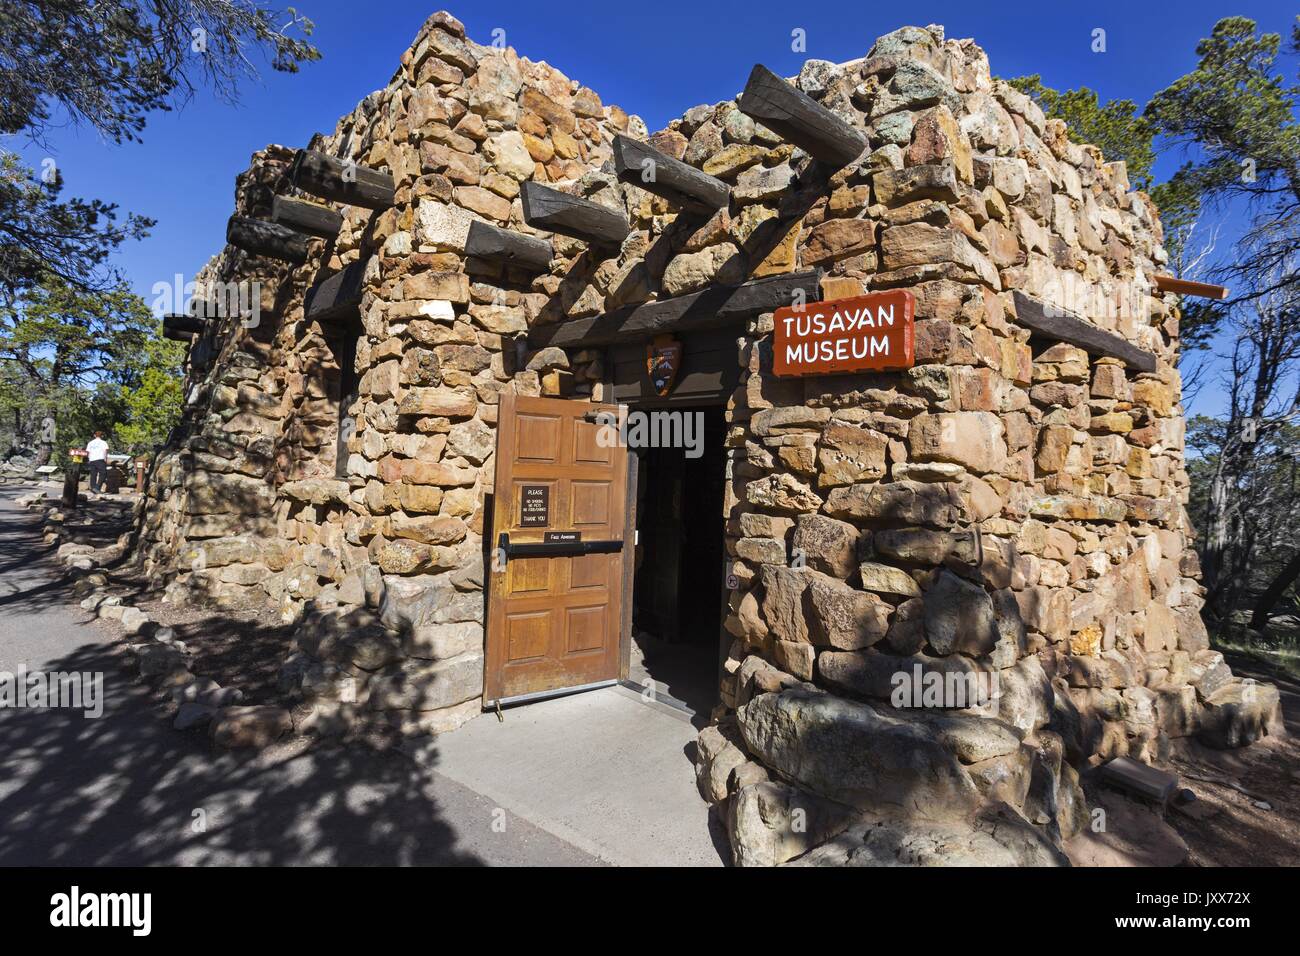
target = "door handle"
x: 554, y: 549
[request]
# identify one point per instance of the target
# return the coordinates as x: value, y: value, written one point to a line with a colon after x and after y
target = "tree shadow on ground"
x: 126, y: 789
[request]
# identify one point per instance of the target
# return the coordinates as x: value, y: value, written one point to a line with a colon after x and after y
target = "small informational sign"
x: 865, y: 333
x: 534, y: 506
x: 562, y: 537
x: 663, y: 357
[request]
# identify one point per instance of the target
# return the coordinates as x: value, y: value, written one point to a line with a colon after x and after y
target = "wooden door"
x: 555, y: 603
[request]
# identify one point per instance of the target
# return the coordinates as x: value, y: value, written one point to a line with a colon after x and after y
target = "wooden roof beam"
x: 494, y: 244
x: 1187, y: 287
x: 336, y: 296
x: 641, y: 165
x: 709, y: 308
x: 554, y: 211
x: 306, y: 217
x: 1057, y: 324
x: 185, y: 325
x: 263, y: 238
x: 340, y: 180
x: 798, y: 118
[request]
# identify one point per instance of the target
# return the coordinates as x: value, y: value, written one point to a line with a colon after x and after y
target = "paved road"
x: 125, y: 789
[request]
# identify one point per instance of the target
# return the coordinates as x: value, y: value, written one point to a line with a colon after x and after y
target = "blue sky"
x: 656, y: 60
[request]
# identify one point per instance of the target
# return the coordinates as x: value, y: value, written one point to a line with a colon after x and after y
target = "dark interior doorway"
x: 677, y: 596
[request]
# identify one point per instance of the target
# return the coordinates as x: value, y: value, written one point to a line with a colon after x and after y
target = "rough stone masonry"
x: 1005, y: 507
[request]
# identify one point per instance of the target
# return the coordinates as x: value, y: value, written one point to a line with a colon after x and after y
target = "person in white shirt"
x: 97, y: 456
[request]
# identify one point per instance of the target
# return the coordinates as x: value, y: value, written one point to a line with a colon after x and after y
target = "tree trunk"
x: 1273, y: 593
x: 1216, y: 535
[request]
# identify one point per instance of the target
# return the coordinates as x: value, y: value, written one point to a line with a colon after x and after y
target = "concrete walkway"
x: 603, y: 770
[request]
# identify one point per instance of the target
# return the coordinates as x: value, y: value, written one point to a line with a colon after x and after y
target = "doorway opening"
x: 677, y: 591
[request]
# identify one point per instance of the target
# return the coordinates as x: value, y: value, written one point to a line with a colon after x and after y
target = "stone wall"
x: 1005, y: 507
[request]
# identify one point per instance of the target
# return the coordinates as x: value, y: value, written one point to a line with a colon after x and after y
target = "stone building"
x: 397, y: 448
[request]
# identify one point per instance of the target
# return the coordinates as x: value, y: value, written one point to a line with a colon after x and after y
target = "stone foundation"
x: 1008, y: 511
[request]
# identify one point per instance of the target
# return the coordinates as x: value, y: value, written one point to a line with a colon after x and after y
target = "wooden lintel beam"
x: 495, y: 244
x: 554, y: 211
x: 680, y: 183
x: 1187, y: 287
x: 1057, y: 324
x: 338, y: 295
x: 263, y: 238
x: 305, y: 217
x: 799, y: 119
x: 709, y: 308
x: 341, y: 180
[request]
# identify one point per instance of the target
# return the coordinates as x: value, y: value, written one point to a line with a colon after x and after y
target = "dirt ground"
x: 241, y: 646
x: 1236, y: 786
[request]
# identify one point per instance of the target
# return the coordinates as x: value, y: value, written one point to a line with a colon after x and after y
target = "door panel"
x: 554, y: 620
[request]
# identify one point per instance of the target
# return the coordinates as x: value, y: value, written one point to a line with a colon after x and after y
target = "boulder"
x: 421, y: 685
x: 959, y: 617
x: 783, y: 494
x: 975, y: 440
x: 999, y: 837
x: 783, y: 607
x: 157, y: 660
x: 936, y: 504
x: 883, y: 579
x: 853, y: 754
x: 1240, y: 713
x: 770, y: 823
x: 716, y: 756
x: 891, y: 677
x: 193, y: 714
x: 1025, y: 696
x: 249, y: 726
x: 827, y: 545
x: 841, y: 616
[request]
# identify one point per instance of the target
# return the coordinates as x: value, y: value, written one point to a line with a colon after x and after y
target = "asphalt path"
x: 124, y: 788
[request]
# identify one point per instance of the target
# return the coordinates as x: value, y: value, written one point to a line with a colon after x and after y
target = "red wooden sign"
x: 867, y: 332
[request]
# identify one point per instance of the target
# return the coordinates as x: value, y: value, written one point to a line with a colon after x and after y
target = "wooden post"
x: 341, y: 180
x: 798, y: 118
x: 71, y: 482
x: 140, y: 465
x: 681, y: 184
x: 550, y: 209
x: 263, y: 238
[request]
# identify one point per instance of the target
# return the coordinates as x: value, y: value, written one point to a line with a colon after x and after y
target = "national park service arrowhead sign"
x: 865, y: 333
x: 663, y: 357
